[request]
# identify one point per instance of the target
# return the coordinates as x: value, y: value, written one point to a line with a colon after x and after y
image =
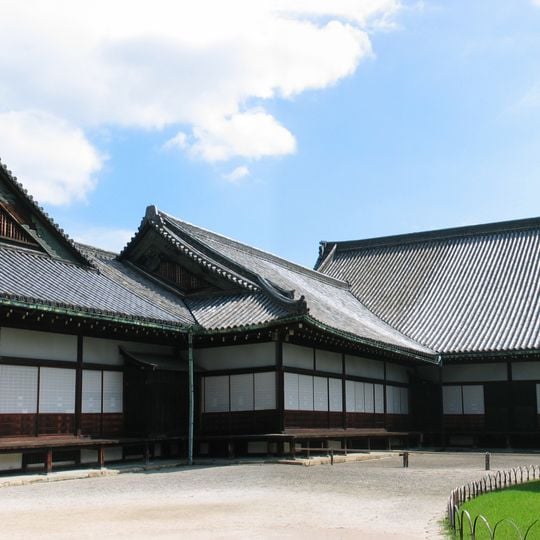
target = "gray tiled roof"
x: 7, y: 176
x: 35, y: 278
x: 472, y: 289
x: 229, y: 311
x: 329, y: 300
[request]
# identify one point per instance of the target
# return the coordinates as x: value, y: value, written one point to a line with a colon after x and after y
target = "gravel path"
x: 369, y: 500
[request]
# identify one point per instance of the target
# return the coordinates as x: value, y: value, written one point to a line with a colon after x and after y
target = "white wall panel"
x: 475, y: 373
x: 364, y: 367
x: 18, y: 389
x: 298, y: 357
x: 391, y: 406
x: 328, y: 361
x: 452, y: 401
x: 91, y: 391
x: 350, y: 396
x: 113, y: 391
x: 473, y: 399
x: 397, y: 373
x: 57, y: 390
x: 291, y: 391
x: 236, y: 356
x: 369, y: 404
x: 360, y: 397
x: 404, y: 400
x: 320, y: 394
x: 216, y: 394
x: 242, y: 392
x: 265, y: 390
x: 335, y: 395
x: 40, y: 345
x: 305, y: 392
x: 379, y: 398
x: 107, y: 351
x: 526, y: 371
x: 10, y: 461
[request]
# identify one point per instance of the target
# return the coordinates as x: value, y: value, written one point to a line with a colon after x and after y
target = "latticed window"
x: 177, y: 274
x: 11, y: 230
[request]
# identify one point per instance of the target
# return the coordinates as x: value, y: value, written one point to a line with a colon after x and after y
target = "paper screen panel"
x: 335, y: 391
x: 291, y: 392
x: 265, y: 391
x: 404, y: 400
x: 320, y: 394
x: 91, y: 391
x: 113, y: 391
x: 305, y: 392
x: 379, y: 398
x: 57, y: 390
x: 369, y: 404
x: 473, y: 399
x: 349, y: 396
x: 360, y: 396
x: 390, y: 400
x: 18, y: 389
x: 242, y: 392
x: 452, y: 402
x: 216, y: 394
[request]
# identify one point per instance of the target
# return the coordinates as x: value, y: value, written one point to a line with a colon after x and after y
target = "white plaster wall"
x: 298, y: 357
x: 236, y: 356
x: 525, y: 371
x: 364, y: 367
x: 40, y: 345
x: 428, y: 373
x: 475, y: 373
x: 10, y: 461
x: 328, y: 361
x: 397, y: 373
x: 107, y: 351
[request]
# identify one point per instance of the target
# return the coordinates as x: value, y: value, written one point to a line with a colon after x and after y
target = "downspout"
x: 191, y: 413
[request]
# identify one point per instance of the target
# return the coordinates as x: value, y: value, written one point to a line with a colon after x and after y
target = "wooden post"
x: 280, y: 386
x: 48, y: 461
x: 406, y: 459
x: 78, y: 386
x: 101, y: 457
x: 191, y: 399
x: 146, y: 453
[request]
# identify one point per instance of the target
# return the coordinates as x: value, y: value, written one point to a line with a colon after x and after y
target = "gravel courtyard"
x: 368, y: 500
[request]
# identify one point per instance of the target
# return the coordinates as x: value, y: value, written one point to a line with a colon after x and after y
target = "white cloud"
x: 253, y: 133
x: 52, y: 158
x: 237, y: 174
x: 195, y: 65
x: 105, y: 238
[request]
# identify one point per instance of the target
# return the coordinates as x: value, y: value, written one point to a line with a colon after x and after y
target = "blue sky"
x: 350, y: 120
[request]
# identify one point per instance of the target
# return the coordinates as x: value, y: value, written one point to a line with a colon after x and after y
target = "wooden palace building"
x: 188, y: 342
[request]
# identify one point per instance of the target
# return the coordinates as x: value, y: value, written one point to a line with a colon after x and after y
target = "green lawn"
x: 520, y: 503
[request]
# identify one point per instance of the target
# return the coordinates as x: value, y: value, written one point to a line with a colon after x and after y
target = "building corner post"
x: 191, y: 398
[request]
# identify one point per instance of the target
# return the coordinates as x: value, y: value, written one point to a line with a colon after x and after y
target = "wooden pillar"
x: 101, y: 457
x: 343, y: 392
x: 443, y: 428
x: 384, y: 397
x: 510, y: 402
x: 48, y: 460
x: 280, y: 386
x: 78, y: 386
x: 191, y: 398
